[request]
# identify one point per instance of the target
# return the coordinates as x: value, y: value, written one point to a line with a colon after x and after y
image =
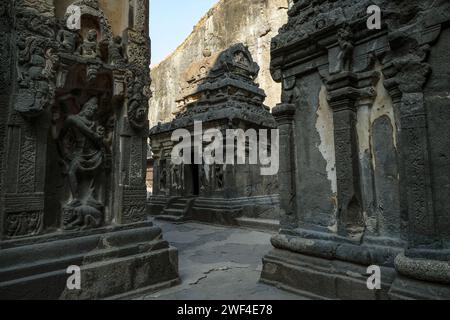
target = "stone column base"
x: 422, y: 279
x: 320, y: 278
x: 113, y: 261
x: 410, y: 289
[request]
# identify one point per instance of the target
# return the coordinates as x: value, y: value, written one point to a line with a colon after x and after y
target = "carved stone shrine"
x: 220, y: 93
x: 364, y: 129
x: 73, y: 141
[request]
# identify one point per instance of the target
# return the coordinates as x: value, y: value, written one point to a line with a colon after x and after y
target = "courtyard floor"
x: 218, y: 263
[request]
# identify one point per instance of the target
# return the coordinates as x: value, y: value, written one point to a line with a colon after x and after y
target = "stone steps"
x: 175, y: 211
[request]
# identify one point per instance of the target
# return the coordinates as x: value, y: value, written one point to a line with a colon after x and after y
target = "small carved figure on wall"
x: 89, y: 48
x: 203, y: 178
x: 176, y: 183
x: 35, y: 68
x: 116, y: 51
x: 219, y: 177
x: 163, y: 176
x: 67, y: 40
x: 137, y: 111
x: 81, y: 217
x: 345, y: 56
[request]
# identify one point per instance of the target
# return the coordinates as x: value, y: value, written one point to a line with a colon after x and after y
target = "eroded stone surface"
x: 384, y: 199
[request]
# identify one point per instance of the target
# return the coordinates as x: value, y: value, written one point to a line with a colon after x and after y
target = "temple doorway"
x: 192, y: 178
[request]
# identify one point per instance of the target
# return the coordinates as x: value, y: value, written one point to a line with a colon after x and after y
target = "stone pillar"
x: 284, y: 115
x: 6, y: 74
x: 405, y: 80
x: 31, y: 49
x: 425, y: 258
x: 346, y: 92
x: 133, y: 206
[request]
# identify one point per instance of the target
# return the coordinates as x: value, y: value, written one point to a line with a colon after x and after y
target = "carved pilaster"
x: 6, y: 71
x: 405, y: 78
x: 346, y: 92
x: 284, y: 115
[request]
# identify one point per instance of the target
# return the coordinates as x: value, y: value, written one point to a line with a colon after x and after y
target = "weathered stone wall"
x: 364, y: 171
x: 228, y: 23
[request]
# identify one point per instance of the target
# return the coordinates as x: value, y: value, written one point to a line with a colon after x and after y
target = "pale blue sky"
x: 171, y: 21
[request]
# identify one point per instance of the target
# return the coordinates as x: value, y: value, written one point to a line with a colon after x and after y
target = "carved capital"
x: 284, y: 113
x: 347, y: 90
x: 406, y: 75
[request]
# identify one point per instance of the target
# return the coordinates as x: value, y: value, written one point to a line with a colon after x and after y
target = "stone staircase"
x: 176, y: 210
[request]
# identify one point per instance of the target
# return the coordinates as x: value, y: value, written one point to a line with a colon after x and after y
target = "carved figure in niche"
x: 116, y: 51
x: 219, y: 177
x: 137, y: 106
x: 290, y: 92
x: 89, y: 48
x: 346, y: 54
x: 32, y: 60
x: 83, y: 150
x: 203, y: 178
x: 67, y: 40
x: 109, y: 136
x: 163, y: 175
x: 176, y: 183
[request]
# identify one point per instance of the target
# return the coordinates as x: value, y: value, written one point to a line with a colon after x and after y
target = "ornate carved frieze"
x: 24, y: 215
x: 134, y: 204
x: 137, y: 101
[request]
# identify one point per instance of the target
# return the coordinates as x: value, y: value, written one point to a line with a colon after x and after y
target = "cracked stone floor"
x: 218, y: 263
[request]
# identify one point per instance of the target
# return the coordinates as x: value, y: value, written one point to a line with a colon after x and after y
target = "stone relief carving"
x: 346, y: 49
x: 89, y: 48
x: 36, y: 70
x: 67, y: 40
x: 137, y: 103
x: 219, y: 175
x: 23, y: 224
x: 116, y: 51
x: 83, y: 151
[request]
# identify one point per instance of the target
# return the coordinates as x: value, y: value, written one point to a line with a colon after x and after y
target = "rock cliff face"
x: 253, y: 23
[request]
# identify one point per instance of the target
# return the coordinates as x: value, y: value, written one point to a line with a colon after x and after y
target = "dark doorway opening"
x: 195, y: 180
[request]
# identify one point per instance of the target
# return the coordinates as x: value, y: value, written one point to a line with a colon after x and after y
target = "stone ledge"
x: 319, y: 278
x: 111, y: 264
